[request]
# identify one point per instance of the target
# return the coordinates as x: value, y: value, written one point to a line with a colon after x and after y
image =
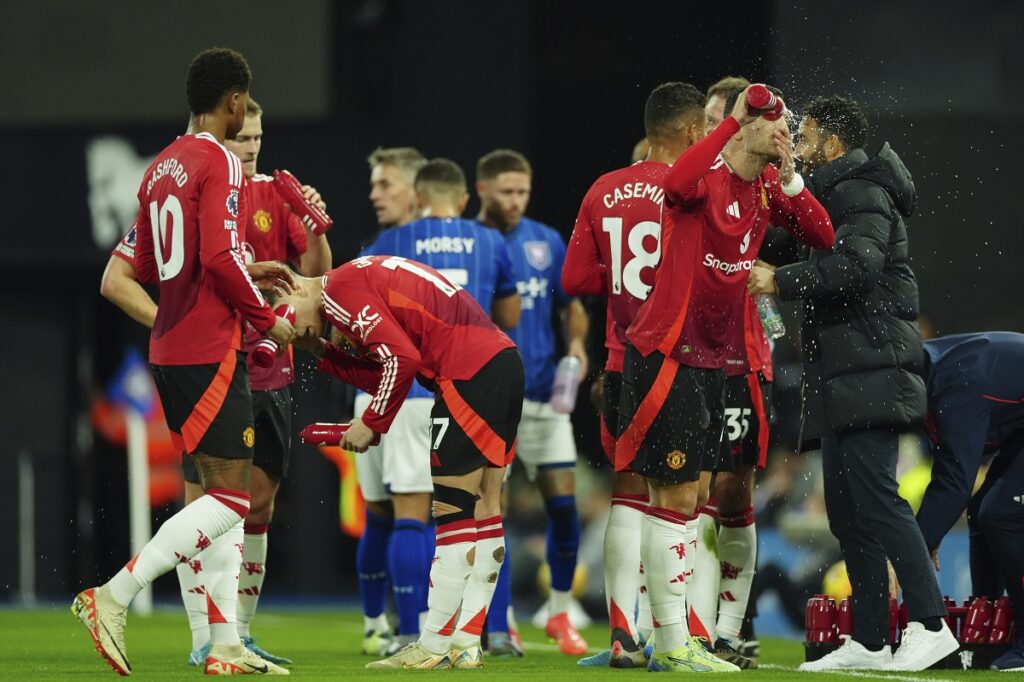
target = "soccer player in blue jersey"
x: 474, y: 258
x: 546, y: 446
x: 397, y: 510
x: 975, y: 387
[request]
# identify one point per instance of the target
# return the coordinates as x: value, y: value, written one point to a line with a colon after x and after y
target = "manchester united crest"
x: 249, y: 437
x: 262, y: 220
x: 675, y: 460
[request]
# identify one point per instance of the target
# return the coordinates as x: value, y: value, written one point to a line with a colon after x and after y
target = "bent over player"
x: 407, y: 321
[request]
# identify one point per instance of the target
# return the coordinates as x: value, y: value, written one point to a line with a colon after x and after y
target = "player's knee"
x: 380, y: 508
x: 703, y: 495
x: 261, y: 510
x: 453, y: 504
x: 556, y: 482
x: 221, y: 472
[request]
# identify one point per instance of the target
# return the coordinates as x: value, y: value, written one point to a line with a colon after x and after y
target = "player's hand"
x: 313, y: 197
x: 577, y: 350
x: 272, y: 276
x: 597, y: 392
x: 763, y: 264
x: 358, y: 437
x: 283, y: 332
x: 762, y: 281
x: 740, y: 111
x: 784, y: 147
x: 935, y: 559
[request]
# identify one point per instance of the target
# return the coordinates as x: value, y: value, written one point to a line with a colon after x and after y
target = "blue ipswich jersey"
x: 537, y: 253
x: 467, y: 253
x: 975, y: 406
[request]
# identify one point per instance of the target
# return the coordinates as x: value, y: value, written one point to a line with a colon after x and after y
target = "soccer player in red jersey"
x: 719, y: 201
x: 272, y: 233
x: 188, y: 243
x: 406, y: 321
x: 613, y: 251
x: 723, y: 570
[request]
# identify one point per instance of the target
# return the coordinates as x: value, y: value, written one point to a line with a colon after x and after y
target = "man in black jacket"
x: 863, y: 381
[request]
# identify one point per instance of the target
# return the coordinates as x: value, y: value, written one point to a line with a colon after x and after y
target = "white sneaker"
x: 920, y: 648
x: 851, y: 656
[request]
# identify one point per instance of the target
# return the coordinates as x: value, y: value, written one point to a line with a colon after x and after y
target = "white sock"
x: 179, y: 539
x: 559, y: 602
x: 702, y: 592
x: 251, y: 575
x: 448, y: 576
x: 192, y: 582
x: 664, y: 552
x: 622, y: 560
x: 222, y: 562
x: 737, y: 550
x: 488, y: 557
x: 644, y: 619
x: 378, y: 624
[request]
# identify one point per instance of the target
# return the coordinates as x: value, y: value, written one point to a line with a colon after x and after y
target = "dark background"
x: 564, y: 82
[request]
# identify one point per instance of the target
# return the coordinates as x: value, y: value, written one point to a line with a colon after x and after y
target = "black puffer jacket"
x: 862, y: 346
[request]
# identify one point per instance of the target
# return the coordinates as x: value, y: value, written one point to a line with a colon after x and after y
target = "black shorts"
x: 610, y: 418
x: 272, y: 419
x: 748, y: 418
x: 671, y: 417
x: 473, y: 423
x: 208, y: 407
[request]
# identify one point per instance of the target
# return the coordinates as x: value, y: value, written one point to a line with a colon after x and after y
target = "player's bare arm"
x: 120, y: 287
x: 317, y: 258
x: 577, y: 324
x: 506, y: 311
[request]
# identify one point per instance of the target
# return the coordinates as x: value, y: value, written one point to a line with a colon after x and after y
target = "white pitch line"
x: 857, y: 673
x: 543, y: 646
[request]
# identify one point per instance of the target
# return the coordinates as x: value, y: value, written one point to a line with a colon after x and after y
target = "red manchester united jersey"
x: 187, y: 241
x: 615, y: 246
x: 713, y: 224
x: 750, y: 351
x: 272, y: 232
x: 407, y: 319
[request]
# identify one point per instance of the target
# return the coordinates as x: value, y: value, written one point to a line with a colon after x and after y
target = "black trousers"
x: 872, y: 523
x: 996, y: 519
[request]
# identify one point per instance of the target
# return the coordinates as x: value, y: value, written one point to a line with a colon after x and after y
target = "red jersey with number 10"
x: 187, y: 241
x: 406, y: 319
x: 615, y: 246
x: 713, y: 225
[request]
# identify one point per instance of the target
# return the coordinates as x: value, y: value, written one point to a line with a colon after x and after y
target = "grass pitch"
x: 51, y: 645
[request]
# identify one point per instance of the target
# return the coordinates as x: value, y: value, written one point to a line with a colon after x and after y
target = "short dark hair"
x: 213, y: 74
x: 730, y: 100
x: 667, y: 105
x: 440, y: 177
x: 492, y: 164
x: 840, y: 116
x: 726, y: 86
x: 253, y: 108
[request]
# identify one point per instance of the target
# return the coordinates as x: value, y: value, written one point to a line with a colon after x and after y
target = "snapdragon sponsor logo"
x: 716, y: 263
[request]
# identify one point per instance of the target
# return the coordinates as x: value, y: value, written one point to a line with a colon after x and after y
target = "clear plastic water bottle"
x: 771, y: 318
x: 567, y: 384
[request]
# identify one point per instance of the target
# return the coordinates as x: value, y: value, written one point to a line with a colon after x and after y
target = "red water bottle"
x: 1002, y: 620
x: 322, y: 433
x: 265, y: 352
x: 821, y: 619
x: 844, y: 618
x: 894, y: 620
x: 978, y: 622
x: 950, y: 616
x: 762, y: 100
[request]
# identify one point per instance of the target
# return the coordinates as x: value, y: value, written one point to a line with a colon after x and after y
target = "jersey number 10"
x: 170, y: 254
x: 639, y: 257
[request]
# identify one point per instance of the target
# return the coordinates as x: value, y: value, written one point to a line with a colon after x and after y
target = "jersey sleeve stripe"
x: 337, y: 310
x: 237, y: 257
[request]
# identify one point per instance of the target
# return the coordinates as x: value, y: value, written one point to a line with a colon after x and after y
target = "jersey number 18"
x: 638, y: 258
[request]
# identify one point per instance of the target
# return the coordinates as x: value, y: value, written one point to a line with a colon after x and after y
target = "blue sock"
x: 372, y: 564
x: 563, y: 540
x: 428, y: 555
x: 406, y: 560
x: 497, y: 615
